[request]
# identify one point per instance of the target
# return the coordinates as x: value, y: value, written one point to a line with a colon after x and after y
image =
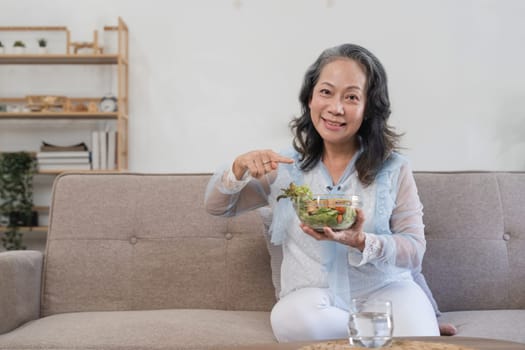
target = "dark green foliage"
x: 16, y: 195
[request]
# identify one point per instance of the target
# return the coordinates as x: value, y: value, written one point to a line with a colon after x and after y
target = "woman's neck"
x: 336, y: 159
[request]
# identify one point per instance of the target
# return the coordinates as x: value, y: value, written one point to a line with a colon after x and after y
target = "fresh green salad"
x: 295, y: 192
x: 318, y: 211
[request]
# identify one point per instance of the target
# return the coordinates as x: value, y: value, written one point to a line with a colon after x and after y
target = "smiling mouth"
x: 333, y: 122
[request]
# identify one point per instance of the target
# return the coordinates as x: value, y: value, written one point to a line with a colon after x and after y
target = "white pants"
x: 308, y: 314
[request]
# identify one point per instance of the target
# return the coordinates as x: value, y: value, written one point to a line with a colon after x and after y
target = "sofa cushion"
x: 493, y: 324
x: 142, y: 330
x: 102, y: 254
x: 475, y: 231
x: 512, y: 188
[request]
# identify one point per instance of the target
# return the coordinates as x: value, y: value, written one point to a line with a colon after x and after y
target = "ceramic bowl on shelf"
x: 335, y: 211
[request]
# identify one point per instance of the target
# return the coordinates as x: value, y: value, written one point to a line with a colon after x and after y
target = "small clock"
x: 108, y: 103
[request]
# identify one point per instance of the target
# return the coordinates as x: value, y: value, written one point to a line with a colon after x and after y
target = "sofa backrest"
x: 124, y: 242
x: 475, y: 231
x: 137, y: 241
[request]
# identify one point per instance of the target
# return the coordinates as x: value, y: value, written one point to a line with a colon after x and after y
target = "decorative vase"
x: 42, y: 50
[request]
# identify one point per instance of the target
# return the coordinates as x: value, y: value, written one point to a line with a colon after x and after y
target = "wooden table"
x: 474, y: 343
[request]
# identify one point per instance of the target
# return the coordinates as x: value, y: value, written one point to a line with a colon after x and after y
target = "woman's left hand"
x: 353, y: 237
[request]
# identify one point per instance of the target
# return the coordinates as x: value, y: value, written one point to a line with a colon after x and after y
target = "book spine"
x: 95, y: 150
x: 112, y: 149
x: 103, y: 144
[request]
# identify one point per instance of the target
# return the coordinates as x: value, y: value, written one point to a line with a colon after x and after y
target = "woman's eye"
x: 352, y: 97
x: 324, y: 92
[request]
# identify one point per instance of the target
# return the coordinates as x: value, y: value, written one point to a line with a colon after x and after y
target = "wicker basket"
x: 42, y: 103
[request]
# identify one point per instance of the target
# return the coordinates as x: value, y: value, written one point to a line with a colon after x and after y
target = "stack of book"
x: 103, y: 150
x: 57, y: 158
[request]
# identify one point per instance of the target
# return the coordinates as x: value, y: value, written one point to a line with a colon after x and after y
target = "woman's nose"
x: 337, y: 108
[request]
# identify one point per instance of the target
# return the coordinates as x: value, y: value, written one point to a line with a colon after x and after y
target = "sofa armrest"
x: 20, y: 284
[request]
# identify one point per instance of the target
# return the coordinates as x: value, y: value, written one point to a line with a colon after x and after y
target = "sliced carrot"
x: 341, y: 210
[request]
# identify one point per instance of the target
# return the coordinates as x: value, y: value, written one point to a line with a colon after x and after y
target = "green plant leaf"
x: 16, y: 194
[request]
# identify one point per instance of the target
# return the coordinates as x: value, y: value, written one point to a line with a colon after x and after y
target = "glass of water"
x: 370, y: 324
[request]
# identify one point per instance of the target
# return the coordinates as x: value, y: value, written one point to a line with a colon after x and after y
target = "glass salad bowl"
x: 323, y: 210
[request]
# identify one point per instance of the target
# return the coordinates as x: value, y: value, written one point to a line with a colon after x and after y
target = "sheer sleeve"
x: 406, y: 245
x: 227, y: 196
x: 406, y: 222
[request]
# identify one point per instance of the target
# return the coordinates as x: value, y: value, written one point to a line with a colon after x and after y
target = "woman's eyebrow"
x: 349, y: 87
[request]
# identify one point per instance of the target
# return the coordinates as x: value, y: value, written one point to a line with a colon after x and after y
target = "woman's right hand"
x: 258, y: 163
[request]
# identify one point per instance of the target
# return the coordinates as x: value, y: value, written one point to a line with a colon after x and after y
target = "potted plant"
x: 16, y: 196
x: 19, y: 47
x: 42, y: 46
x: 2, y: 49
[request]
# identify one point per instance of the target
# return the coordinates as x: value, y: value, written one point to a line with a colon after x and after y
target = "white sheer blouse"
x: 395, y: 242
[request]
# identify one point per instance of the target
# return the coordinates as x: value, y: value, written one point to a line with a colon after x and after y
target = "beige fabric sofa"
x: 133, y: 261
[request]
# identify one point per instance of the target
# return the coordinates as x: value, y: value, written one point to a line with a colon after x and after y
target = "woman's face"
x: 338, y: 102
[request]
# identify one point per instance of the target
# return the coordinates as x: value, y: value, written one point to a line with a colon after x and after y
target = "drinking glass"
x: 370, y: 323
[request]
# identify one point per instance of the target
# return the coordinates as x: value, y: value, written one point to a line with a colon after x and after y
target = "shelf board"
x: 58, y: 115
x: 58, y: 59
x: 28, y: 228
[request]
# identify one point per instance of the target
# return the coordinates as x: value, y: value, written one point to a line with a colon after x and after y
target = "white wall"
x: 210, y: 79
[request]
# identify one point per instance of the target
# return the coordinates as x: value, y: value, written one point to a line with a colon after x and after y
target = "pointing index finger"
x: 277, y: 158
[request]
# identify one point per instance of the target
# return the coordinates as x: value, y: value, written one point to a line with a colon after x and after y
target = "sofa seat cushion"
x: 136, y: 330
x: 494, y: 324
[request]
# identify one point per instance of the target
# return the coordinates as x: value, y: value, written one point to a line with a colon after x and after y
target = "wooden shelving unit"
x: 120, y: 60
